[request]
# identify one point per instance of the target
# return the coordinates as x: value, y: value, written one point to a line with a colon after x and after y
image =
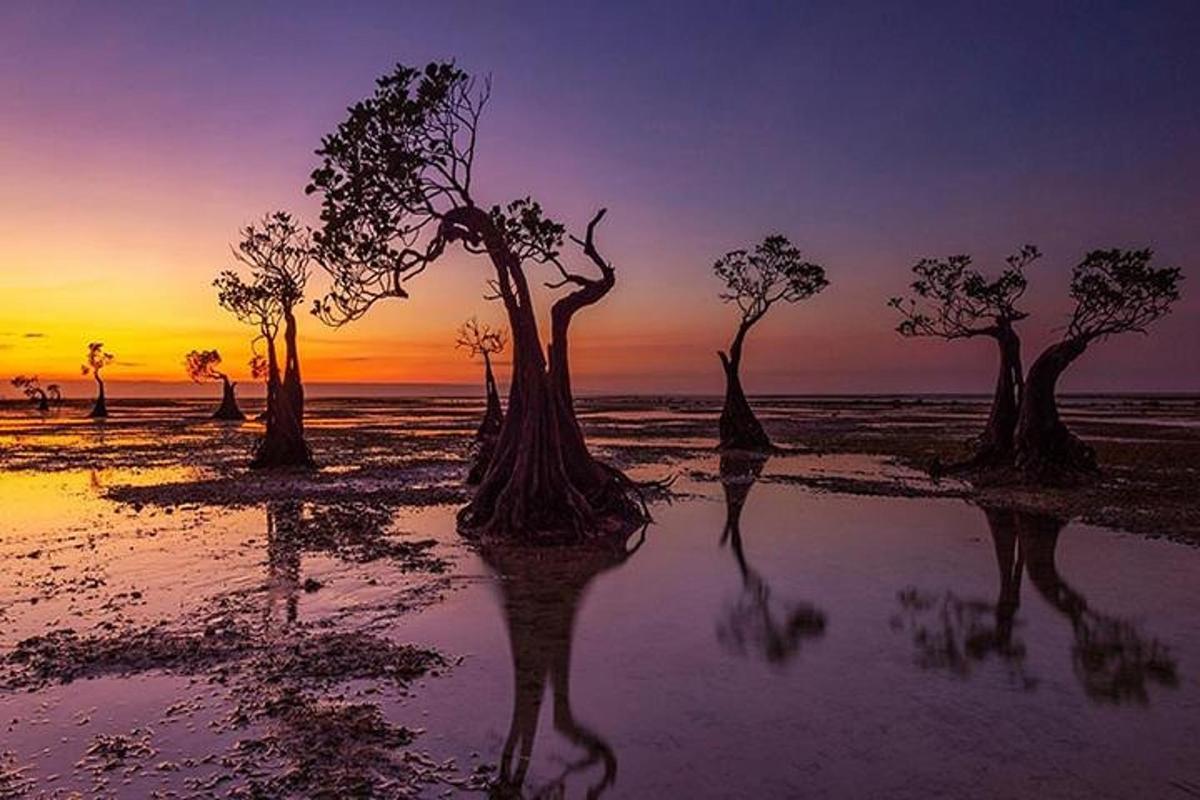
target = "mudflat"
x: 829, y: 620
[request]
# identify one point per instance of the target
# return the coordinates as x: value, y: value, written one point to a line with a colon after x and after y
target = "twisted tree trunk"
x: 542, y: 484
x: 228, y: 409
x: 997, y: 442
x: 489, y: 430
x: 493, y: 417
x: 740, y: 429
x: 283, y: 444
x: 1046, y: 450
x: 100, y: 409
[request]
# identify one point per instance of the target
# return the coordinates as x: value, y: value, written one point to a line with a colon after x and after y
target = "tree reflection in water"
x: 1111, y: 657
x: 283, y: 561
x: 752, y: 623
x: 541, y: 591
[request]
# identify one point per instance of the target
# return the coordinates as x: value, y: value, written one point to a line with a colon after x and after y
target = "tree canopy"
x: 1120, y: 290
x: 951, y: 300
x: 775, y: 271
x: 391, y: 173
x: 97, y: 359
x: 203, y: 365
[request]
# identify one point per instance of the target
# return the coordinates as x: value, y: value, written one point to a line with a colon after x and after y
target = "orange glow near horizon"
x: 134, y: 147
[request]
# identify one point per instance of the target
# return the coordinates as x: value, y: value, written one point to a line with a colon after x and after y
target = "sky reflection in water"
x: 762, y: 640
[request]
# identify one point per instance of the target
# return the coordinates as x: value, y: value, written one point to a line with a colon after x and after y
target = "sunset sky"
x: 135, y: 139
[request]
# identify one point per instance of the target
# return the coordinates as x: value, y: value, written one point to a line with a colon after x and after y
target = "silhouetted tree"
x: 396, y: 185
x: 253, y: 304
x: 481, y: 340
x: 950, y: 300
x: 31, y: 387
x: 202, y: 366
x: 276, y: 251
x: 755, y: 281
x: 755, y: 621
x: 1115, y: 291
x: 97, y: 359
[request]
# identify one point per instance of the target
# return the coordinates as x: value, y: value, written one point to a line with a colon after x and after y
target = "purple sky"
x: 870, y: 133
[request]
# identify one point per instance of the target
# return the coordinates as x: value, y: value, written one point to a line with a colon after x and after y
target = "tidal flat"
x: 828, y: 622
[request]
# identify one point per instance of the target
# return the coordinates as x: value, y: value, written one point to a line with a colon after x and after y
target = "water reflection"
x: 541, y: 592
x: 283, y: 562
x: 1111, y: 657
x: 752, y: 623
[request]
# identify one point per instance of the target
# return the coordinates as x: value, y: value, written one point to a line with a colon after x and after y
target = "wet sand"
x: 828, y: 623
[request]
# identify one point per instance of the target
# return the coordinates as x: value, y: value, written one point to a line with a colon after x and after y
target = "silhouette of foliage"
x: 774, y: 272
x: 250, y: 302
x: 31, y: 387
x: 202, y: 366
x: 1120, y: 290
x: 391, y: 171
x: 479, y: 339
x: 951, y: 300
x: 97, y: 359
x: 278, y: 253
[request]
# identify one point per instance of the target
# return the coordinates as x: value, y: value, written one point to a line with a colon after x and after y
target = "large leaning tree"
x: 277, y: 255
x: 97, y: 359
x: 1115, y: 291
x: 43, y: 398
x: 755, y: 281
x: 204, y: 366
x: 950, y: 300
x: 396, y: 183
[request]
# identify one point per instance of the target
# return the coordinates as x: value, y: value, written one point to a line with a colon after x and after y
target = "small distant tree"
x: 952, y: 301
x: 204, y: 366
x: 31, y: 387
x: 1115, y: 291
x: 251, y: 304
x: 97, y: 359
x: 481, y: 340
x: 755, y: 281
x: 277, y: 254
